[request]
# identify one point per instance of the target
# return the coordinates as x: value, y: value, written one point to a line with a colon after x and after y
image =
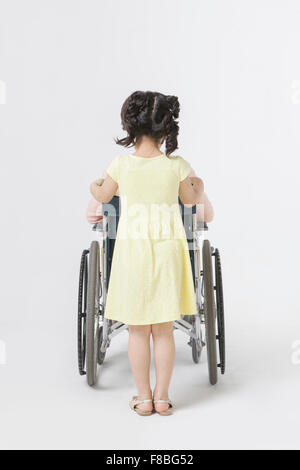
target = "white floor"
x: 46, y: 405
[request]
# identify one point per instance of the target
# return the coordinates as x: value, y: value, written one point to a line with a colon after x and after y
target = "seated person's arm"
x: 104, y: 190
x: 205, y: 211
x: 94, y: 211
x: 191, y: 190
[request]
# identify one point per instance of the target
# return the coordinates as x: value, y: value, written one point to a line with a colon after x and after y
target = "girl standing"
x: 151, y: 282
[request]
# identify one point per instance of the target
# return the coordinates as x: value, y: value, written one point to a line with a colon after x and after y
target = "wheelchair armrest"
x: 98, y: 227
x: 201, y: 226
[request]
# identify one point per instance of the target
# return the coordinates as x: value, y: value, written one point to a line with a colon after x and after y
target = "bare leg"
x: 139, y: 357
x: 164, y: 357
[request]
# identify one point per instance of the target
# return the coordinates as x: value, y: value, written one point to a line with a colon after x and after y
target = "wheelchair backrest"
x: 113, y: 208
x: 112, y: 211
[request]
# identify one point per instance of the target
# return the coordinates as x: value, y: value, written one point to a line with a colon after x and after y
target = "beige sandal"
x: 166, y: 412
x: 134, y: 406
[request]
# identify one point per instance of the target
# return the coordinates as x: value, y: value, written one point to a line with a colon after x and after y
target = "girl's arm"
x: 191, y: 190
x: 103, y: 190
x: 205, y: 211
x: 94, y: 209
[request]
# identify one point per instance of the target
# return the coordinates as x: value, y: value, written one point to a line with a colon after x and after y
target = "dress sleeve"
x: 113, y: 169
x: 184, y: 169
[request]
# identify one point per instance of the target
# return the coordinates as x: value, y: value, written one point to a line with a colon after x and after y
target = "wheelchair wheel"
x: 210, y: 312
x: 82, y: 304
x: 220, y: 310
x: 101, y: 355
x: 196, y: 352
x: 197, y: 344
x: 92, y: 320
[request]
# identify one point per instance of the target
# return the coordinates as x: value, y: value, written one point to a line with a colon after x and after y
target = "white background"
x: 68, y: 66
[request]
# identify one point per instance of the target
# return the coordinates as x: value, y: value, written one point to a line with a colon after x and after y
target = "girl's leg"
x: 164, y: 357
x: 139, y: 357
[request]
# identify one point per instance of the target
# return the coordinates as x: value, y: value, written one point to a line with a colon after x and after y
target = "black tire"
x: 220, y: 310
x: 81, y: 314
x: 210, y: 313
x: 196, y: 347
x: 92, y: 331
x: 101, y: 355
x: 196, y: 352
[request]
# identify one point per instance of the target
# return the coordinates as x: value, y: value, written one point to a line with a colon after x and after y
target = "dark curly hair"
x: 152, y: 114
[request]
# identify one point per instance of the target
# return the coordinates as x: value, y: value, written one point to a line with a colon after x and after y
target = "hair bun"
x: 173, y: 105
x: 140, y: 100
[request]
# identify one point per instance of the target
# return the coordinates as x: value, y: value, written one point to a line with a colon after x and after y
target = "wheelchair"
x: 205, y: 328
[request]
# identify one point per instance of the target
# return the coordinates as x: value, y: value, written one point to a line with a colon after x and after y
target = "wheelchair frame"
x: 95, y: 332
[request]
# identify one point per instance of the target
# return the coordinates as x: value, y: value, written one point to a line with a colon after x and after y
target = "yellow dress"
x: 151, y: 277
